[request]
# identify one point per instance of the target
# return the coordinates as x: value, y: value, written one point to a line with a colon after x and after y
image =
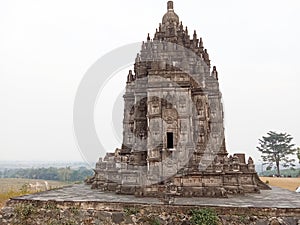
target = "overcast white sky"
x: 47, y: 46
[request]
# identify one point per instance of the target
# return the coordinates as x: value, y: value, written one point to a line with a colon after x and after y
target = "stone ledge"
x: 275, y: 198
x: 79, y: 204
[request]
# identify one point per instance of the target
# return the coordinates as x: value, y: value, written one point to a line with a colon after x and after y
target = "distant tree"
x: 68, y: 173
x: 276, y: 148
x: 298, y: 154
x: 62, y: 174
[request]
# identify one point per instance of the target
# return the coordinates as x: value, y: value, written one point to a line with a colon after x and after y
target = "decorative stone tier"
x: 221, y: 180
x: 79, y: 204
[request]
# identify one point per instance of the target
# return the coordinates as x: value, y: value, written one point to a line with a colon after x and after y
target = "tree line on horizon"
x: 276, y: 149
x: 65, y: 174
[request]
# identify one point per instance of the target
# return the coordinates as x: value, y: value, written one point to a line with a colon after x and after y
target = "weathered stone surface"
x: 274, y: 221
x: 117, y: 217
x: 103, y: 215
x: 276, y: 198
x: 291, y: 220
x: 7, y: 213
x: 261, y: 222
x: 173, y: 132
x: 186, y: 223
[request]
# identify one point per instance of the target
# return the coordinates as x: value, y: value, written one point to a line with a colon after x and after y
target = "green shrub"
x: 51, y: 206
x: 243, y: 219
x: 204, y: 217
x: 24, y: 211
x: 131, y: 211
x: 74, y: 210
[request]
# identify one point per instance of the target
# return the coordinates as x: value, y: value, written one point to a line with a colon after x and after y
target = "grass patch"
x: 11, y: 194
x: 14, y: 187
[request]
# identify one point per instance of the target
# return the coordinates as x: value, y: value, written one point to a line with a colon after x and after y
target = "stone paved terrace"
x: 275, y: 198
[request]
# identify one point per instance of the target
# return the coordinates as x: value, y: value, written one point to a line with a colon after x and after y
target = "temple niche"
x: 173, y: 131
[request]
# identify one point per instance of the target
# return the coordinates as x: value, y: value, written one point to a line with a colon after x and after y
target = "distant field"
x: 11, y: 187
x: 286, y: 183
x: 7, y: 184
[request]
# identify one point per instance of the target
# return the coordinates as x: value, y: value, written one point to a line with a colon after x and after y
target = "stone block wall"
x: 85, y: 213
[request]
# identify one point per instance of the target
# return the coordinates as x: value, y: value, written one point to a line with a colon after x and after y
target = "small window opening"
x: 170, y: 143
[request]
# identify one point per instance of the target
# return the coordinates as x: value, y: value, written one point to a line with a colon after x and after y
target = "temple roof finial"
x: 201, y: 43
x: 170, y: 5
x: 170, y: 16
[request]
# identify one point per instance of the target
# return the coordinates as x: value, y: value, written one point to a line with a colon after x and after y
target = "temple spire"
x: 215, y: 73
x: 195, y: 35
x: 181, y: 26
x: 130, y: 77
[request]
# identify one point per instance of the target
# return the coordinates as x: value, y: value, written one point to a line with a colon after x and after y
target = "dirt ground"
x: 286, y: 183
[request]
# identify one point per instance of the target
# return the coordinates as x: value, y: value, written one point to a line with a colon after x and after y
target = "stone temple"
x: 173, y: 132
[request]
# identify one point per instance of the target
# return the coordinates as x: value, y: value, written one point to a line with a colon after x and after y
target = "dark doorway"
x: 170, y: 143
